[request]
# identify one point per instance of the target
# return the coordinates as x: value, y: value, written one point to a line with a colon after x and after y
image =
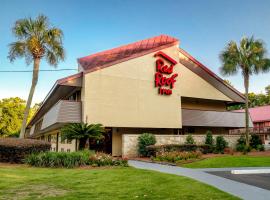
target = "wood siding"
x: 63, y: 112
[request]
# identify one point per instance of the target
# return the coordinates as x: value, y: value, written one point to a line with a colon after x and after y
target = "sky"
x: 203, y: 27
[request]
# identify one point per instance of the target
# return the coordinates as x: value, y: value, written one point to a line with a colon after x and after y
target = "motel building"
x: 150, y: 86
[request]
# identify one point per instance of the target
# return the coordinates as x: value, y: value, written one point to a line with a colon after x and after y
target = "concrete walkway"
x: 240, y: 190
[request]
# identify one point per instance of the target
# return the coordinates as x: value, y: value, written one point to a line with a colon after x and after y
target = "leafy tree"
x: 249, y: 57
x: 82, y: 132
x: 267, y: 90
x: 11, y: 116
x: 36, y: 40
x: 254, y: 101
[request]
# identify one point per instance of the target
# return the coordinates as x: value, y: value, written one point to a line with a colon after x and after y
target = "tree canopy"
x: 11, y: 115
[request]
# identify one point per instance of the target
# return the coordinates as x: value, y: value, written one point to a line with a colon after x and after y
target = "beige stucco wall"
x: 124, y: 95
x: 130, y: 141
x: 116, y: 143
x: 191, y: 85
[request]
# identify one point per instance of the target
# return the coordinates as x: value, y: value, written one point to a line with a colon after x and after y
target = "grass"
x: 20, y: 182
x: 231, y: 161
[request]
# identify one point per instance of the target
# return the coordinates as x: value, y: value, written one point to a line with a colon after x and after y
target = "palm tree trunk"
x: 246, y: 80
x: 30, y: 96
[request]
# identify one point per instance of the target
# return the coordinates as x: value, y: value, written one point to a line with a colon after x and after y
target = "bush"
x: 260, y: 147
x: 221, y: 144
x: 14, y: 150
x: 189, y: 140
x: 209, y: 141
x: 255, y: 141
x: 59, y: 159
x: 73, y: 159
x: 102, y: 159
x: 145, y: 140
x: 176, y: 156
x: 153, y: 150
x: 241, y: 144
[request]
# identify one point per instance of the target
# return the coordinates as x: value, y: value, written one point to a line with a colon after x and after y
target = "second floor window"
x: 76, y: 96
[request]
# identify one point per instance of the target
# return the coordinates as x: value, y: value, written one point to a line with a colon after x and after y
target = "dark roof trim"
x: 205, y: 73
x: 73, y: 81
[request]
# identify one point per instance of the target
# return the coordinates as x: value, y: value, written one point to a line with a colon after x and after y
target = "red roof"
x: 120, y: 54
x: 259, y: 114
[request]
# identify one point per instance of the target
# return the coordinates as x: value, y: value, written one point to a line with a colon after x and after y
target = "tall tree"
x: 267, y: 90
x: 36, y: 39
x: 249, y: 57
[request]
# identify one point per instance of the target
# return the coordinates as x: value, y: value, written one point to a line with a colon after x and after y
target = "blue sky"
x: 203, y: 27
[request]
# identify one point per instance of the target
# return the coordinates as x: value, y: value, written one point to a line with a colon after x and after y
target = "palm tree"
x: 36, y: 39
x: 82, y: 132
x: 249, y: 57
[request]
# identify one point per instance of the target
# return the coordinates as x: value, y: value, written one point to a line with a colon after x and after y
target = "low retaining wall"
x: 130, y: 141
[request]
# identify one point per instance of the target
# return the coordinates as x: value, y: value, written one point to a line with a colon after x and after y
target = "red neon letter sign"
x: 162, y: 73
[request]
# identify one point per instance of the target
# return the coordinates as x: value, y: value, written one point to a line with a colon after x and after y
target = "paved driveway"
x: 242, y: 190
x: 258, y: 180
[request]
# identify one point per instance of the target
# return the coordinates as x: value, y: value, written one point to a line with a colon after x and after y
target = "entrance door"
x: 103, y: 145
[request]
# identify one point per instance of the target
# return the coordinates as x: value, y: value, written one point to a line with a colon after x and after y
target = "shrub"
x: 14, y: 150
x: 206, y: 148
x: 189, y: 140
x: 260, y: 147
x: 255, y: 141
x: 102, y: 159
x: 145, y: 140
x: 73, y: 159
x: 153, y: 150
x: 209, y: 141
x: 221, y: 144
x: 176, y: 156
x: 241, y: 144
x: 59, y: 159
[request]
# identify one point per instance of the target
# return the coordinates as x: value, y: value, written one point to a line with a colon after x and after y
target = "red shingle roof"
x: 113, y: 56
x: 259, y: 114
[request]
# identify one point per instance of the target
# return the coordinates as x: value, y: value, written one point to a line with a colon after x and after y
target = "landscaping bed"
x: 20, y: 182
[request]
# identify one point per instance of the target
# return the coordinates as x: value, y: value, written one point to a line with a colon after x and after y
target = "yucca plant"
x: 82, y: 132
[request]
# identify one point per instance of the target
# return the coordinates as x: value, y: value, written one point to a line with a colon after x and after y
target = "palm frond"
x: 17, y: 49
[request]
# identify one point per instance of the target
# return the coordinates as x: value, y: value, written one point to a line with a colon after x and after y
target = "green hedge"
x: 14, y: 150
x: 154, y: 149
x: 73, y: 159
x: 58, y: 159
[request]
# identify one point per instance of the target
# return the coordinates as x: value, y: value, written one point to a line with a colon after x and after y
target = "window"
x: 69, y: 141
x: 49, y: 138
x: 76, y: 96
x: 68, y: 150
x: 38, y: 126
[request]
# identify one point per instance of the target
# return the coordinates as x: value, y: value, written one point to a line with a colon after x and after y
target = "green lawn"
x: 231, y: 161
x: 20, y: 182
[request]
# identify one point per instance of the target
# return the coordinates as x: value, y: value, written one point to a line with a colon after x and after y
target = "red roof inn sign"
x: 164, y: 76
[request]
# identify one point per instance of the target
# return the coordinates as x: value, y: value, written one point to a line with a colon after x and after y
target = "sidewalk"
x: 240, y: 190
